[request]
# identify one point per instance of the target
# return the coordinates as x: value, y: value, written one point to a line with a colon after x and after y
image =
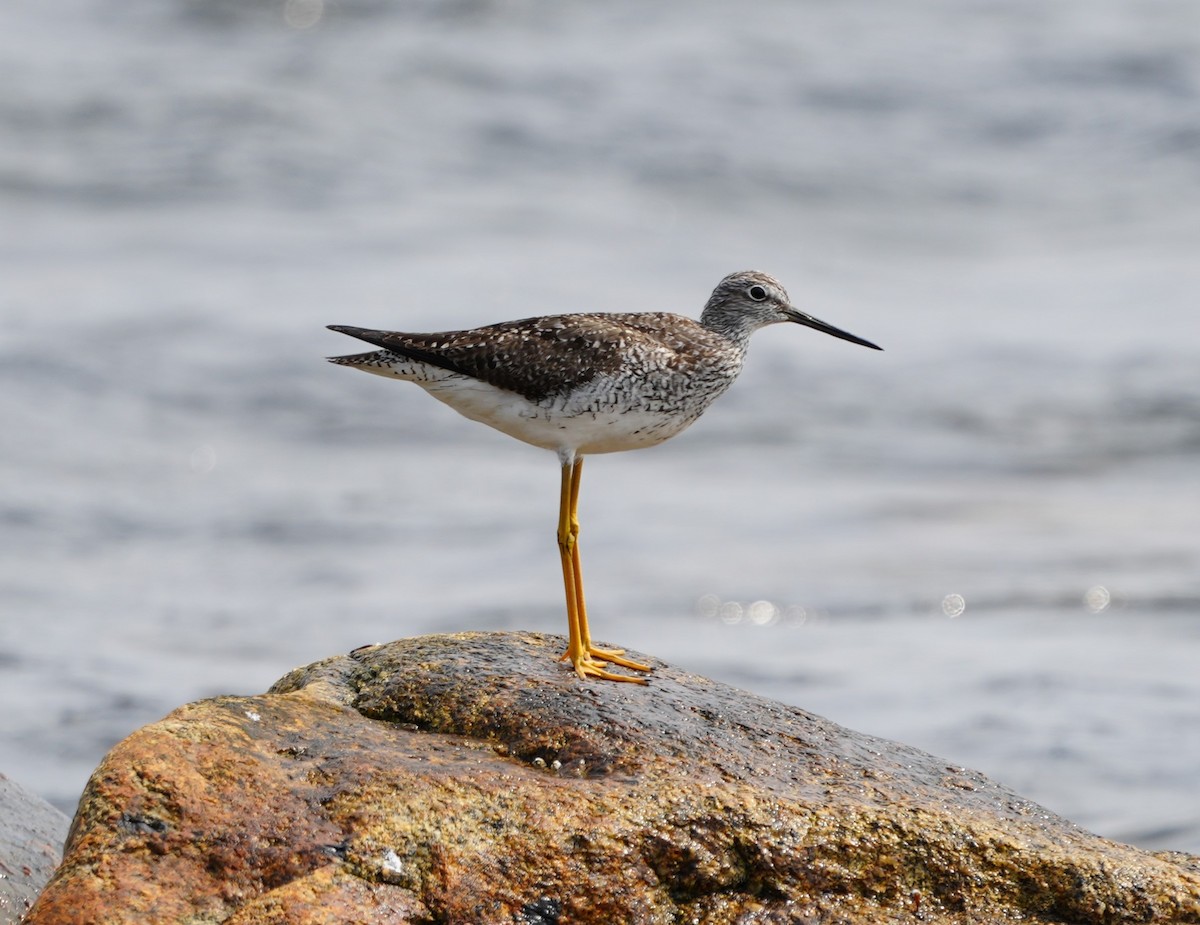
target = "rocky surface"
x: 474, y: 779
x: 31, y: 837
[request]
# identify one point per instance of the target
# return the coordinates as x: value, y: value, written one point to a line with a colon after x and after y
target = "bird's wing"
x: 539, y: 357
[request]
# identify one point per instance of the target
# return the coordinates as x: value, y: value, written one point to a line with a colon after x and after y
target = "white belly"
x: 557, y: 426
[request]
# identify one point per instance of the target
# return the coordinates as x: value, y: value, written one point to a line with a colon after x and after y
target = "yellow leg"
x: 583, y: 655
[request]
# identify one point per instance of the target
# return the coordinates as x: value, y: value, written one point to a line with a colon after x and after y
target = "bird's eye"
x: 757, y: 293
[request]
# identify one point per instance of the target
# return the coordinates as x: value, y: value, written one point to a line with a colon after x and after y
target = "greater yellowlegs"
x: 589, y: 383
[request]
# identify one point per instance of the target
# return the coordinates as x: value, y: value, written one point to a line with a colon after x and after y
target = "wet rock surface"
x: 31, y: 837
x: 472, y: 778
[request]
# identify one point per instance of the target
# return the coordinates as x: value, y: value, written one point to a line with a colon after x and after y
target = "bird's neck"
x: 733, y: 326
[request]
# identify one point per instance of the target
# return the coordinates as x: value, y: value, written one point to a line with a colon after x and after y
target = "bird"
x: 588, y: 383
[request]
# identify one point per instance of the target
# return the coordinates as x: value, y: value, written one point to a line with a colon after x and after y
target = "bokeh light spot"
x: 763, y: 613
x: 303, y: 14
x: 954, y: 605
x: 203, y: 459
x: 1097, y: 599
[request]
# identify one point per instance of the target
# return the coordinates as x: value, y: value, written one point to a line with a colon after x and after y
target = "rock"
x: 474, y: 779
x: 31, y: 836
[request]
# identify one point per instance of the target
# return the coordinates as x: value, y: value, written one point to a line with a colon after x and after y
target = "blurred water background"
x: 984, y: 542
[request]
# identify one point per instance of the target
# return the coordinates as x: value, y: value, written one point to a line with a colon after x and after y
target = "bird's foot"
x: 587, y: 664
x: 586, y: 668
x: 614, y: 656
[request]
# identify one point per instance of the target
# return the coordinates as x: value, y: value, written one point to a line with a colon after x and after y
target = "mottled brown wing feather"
x: 534, y: 357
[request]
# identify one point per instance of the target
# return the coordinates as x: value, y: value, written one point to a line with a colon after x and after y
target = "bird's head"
x: 748, y: 300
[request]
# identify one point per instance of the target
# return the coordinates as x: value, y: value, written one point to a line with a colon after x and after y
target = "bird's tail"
x: 358, y: 360
x: 389, y: 361
x: 368, y: 361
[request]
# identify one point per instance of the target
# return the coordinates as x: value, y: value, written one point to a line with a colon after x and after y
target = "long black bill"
x: 818, y: 325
